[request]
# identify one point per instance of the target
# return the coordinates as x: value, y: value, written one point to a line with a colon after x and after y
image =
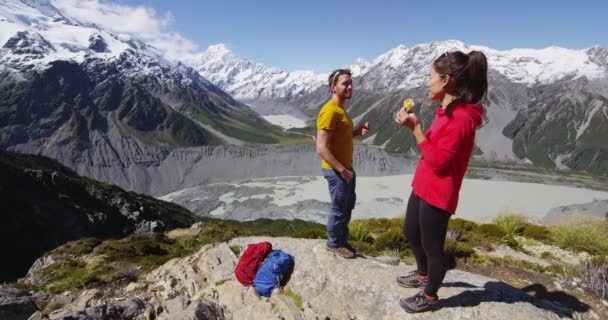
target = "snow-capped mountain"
x: 399, y: 68
x: 247, y: 80
x: 407, y: 67
x: 544, y: 106
x: 89, y: 97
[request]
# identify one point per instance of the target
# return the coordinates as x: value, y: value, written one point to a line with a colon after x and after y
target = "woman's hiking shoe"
x: 412, y: 280
x: 419, y: 302
x: 343, y: 252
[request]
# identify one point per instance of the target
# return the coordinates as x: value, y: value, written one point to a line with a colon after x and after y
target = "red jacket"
x: 445, y: 156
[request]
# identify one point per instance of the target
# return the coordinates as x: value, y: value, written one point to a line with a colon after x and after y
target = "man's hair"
x: 334, y: 75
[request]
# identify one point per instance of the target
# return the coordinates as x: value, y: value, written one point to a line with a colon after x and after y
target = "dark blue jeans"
x: 343, y: 200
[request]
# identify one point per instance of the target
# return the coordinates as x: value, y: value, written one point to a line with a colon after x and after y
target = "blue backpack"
x: 277, y: 267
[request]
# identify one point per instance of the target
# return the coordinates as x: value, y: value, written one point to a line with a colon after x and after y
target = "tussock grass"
x: 582, y: 234
x: 511, y: 222
x: 359, y: 230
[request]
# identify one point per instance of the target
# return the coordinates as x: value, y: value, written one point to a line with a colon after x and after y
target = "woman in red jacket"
x: 459, y: 81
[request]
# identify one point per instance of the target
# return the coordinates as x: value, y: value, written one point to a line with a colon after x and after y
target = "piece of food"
x: 408, y: 104
x: 366, y: 125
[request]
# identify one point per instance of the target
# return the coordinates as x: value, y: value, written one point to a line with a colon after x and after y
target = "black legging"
x: 425, y: 228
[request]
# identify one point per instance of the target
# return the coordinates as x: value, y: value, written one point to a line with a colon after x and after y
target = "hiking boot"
x: 343, y: 252
x: 412, y: 280
x: 419, y: 302
x: 351, y: 248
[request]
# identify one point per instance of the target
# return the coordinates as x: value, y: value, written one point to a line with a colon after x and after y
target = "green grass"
x: 547, y: 255
x: 532, y: 231
x: 55, y: 305
x: 128, y: 257
x: 68, y: 275
x: 510, y: 262
x: 236, y: 250
x: 581, y: 234
x: 297, y: 299
x: 511, y: 223
x: 359, y: 230
x: 78, y: 247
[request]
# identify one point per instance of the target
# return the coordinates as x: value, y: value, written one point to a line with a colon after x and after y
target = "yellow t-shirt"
x: 335, y: 119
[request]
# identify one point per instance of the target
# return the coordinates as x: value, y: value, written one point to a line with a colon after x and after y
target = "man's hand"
x: 346, y: 174
x: 362, y: 130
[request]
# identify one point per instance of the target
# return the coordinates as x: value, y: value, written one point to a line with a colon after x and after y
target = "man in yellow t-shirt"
x: 335, y: 147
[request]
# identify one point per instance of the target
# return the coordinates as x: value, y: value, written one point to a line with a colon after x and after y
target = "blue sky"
x: 320, y: 35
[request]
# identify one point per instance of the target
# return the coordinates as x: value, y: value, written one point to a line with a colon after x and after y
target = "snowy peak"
x: 359, y: 67
x: 97, y: 43
x: 26, y: 43
x: 399, y: 68
x: 407, y: 67
x: 247, y: 80
x: 35, y: 33
x: 599, y: 56
x: 218, y: 50
x: 545, y: 66
x: 46, y: 8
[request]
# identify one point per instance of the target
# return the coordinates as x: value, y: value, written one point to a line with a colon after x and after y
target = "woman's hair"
x: 468, y: 72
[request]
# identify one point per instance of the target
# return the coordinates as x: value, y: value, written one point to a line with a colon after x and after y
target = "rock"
x: 504, y: 251
x: 393, y: 261
x: 16, y: 304
x: 182, y: 307
x: 129, y: 309
x: 562, y: 255
x: 97, y: 43
x: 37, y: 316
x: 185, y: 232
x: 212, y: 265
x: 134, y: 286
x: 33, y: 275
x: 150, y: 226
x: 323, y: 285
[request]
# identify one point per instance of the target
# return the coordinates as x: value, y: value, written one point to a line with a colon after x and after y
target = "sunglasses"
x: 335, y: 74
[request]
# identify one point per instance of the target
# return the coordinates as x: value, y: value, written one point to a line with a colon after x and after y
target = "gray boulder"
x: 126, y: 310
x: 16, y: 304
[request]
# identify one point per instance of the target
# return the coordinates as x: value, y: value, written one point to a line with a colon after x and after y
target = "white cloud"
x: 142, y: 22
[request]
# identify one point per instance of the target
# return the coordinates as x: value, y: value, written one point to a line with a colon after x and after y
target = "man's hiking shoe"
x: 351, y: 248
x: 412, y: 280
x: 342, y: 252
x: 419, y: 302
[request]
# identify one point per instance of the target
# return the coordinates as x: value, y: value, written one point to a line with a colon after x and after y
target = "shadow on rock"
x: 494, y: 291
x: 560, y: 297
x: 458, y: 284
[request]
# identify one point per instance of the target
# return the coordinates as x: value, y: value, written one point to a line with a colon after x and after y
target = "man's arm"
x: 323, y: 139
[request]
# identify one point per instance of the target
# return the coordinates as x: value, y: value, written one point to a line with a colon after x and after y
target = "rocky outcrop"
x: 596, y: 209
x: 16, y: 304
x: 129, y: 309
x: 322, y: 286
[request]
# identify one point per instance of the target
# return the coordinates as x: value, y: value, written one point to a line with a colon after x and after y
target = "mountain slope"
x: 62, y: 79
x: 46, y: 204
x: 545, y: 106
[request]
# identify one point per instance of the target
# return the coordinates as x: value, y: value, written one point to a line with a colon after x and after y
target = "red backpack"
x: 250, y: 261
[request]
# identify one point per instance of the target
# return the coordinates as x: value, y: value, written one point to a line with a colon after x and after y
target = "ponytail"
x: 477, y: 76
x: 468, y: 73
